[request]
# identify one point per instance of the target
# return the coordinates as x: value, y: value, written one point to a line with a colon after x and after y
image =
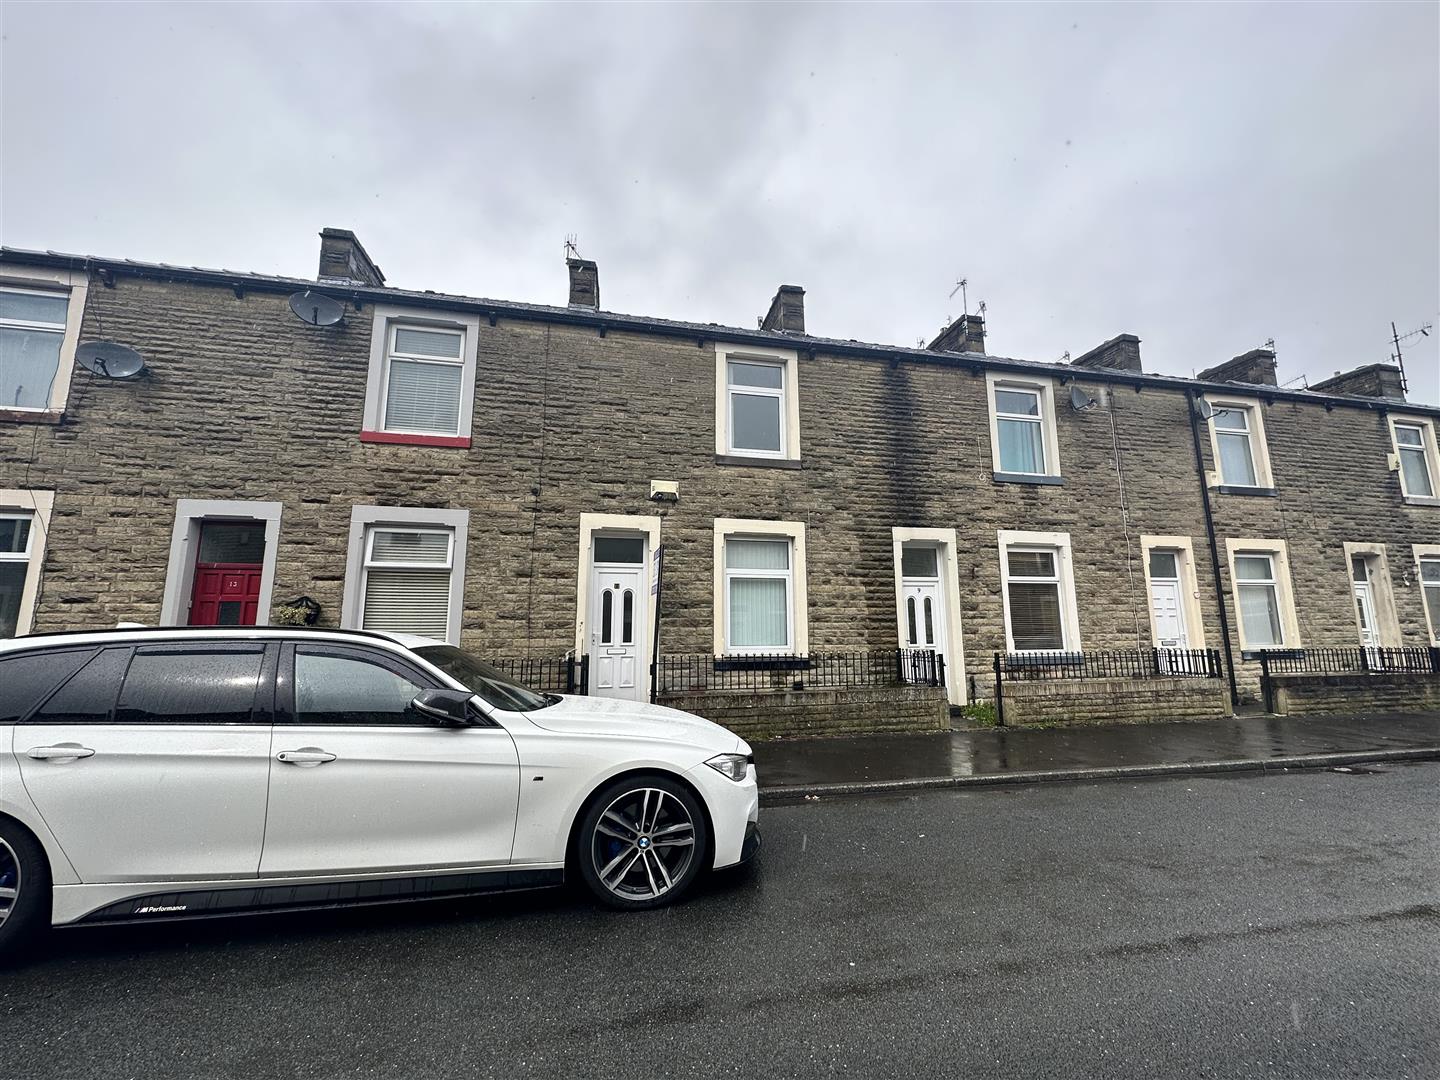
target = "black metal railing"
x: 1359, y: 660
x: 553, y: 674
x: 1111, y: 664
x: 674, y: 674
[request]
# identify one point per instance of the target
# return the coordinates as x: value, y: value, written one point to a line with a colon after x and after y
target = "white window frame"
x: 1184, y: 550
x: 387, y: 319
x: 788, y: 360
x: 74, y: 284
x: 1430, y: 454
x: 362, y: 521
x: 1426, y: 553
x: 37, y: 505
x: 947, y: 563
x: 190, y: 517
x: 1059, y: 544
x: 1044, y: 389
x: 1254, y: 413
x: 796, y: 594
x: 1279, y: 554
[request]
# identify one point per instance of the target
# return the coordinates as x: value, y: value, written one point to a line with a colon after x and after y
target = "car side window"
x: 89, y: 697
x: 27, y: 678
x: 191, y: 686
x: 333, y: 688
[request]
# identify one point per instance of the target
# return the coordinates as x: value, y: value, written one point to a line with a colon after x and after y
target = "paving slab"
x: 796, y: 767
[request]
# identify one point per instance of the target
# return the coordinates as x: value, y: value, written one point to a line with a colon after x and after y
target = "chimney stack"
x: 965, y: 334
x: 1256, y: 368
x: 1120, y: 353
x: 584, y: 283
x: 1372, y: 380
x: 343, y: 261
x: 787, y: 310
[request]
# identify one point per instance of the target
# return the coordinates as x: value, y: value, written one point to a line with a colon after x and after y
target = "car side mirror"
x: 449, y: 708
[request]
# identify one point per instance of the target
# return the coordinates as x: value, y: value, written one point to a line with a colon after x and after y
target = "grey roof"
x: 673, y: 327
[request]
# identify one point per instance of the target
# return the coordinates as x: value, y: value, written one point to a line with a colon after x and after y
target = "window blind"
x: 408, y: 601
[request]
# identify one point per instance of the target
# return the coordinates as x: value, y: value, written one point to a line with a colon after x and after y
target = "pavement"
x: 791, y: 769
x: 1280, y: 925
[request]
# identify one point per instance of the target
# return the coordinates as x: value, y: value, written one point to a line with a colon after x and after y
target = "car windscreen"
x: 492, y: 685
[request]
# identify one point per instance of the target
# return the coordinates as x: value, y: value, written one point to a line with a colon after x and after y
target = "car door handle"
x: 309, y: 756
x: 59, y: 753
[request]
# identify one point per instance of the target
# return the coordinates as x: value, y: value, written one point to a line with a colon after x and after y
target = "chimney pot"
x: 787, y: 310
x: 1120, y: 353
x: 584, y: 283
x: 344, y: 261
x: 965, y: 334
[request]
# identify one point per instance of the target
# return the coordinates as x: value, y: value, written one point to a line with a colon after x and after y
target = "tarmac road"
x: 1238, y: 926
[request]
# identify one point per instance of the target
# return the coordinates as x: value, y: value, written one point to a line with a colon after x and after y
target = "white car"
x: 149, y: 774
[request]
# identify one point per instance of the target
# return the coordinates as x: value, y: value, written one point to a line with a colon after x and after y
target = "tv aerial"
x: 109, y: 360
x: 316, y: 309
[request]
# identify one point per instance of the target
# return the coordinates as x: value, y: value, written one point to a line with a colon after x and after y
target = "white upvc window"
x: 1260, y: 573
x: 1415, y: 447
x: 760, y: 595
x: 1039, y: 592
x: 421, y: 384
x: 406, y: 572
x: 1427, y: 560
x: 1237, y: 437
x: 24, y: 521
x: 406, y: 587
x: 39, y: 329
x: 756, y: 404
x: 1022, y: 428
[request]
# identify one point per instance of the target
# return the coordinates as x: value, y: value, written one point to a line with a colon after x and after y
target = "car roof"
x: 130, y: 634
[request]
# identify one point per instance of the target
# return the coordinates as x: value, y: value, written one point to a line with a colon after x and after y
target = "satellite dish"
x: 316, y: 309
x: 1205, y: 409
x: 109, y: 360
x: 1079, y: 400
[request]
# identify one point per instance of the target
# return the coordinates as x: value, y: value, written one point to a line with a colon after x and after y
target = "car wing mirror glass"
x: 449, y: 708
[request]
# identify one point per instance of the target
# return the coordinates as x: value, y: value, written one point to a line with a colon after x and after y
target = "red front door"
x: 226, y: 594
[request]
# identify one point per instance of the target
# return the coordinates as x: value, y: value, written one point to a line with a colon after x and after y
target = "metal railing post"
x: 999, y: 694
x: 585, y: 675
x: 1267, y: 692
x: 939, y: 669
x: 1435, y: 659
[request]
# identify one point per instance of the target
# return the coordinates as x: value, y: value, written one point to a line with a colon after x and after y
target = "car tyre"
x: 642, y: 842
x: 24, y: 891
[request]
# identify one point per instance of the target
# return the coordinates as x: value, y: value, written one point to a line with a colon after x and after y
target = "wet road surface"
x: 1231, y: 926
x: 987, y: 752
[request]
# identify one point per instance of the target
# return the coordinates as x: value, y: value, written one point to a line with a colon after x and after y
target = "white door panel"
x: 922, y: 619
x: 617, y: 631
x: 1169, y: 616
x: 389, y: 798
x: 150, y: 802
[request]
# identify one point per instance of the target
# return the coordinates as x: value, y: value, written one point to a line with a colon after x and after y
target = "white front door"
x: 922, y: 617
x: 1365, y: 609
x: 618, y: 603
x: 1169, y: 615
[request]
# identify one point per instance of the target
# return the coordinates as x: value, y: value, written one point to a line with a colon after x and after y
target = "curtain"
x: 28, y: 362
x: 1260, y: 615
x: 1022, y: 448
x: 1417, y: 474
x: 1236, y: 464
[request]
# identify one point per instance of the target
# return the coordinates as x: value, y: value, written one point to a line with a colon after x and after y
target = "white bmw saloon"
x: 158, y: 774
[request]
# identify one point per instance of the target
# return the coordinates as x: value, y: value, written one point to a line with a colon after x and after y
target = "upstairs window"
x: 424, y: 373
x: 756, y: 397
x: 1415, y: 446
x: 1237, y: 437
x: 406, y: 587
x: 32, y: 336
x: 1022, y: 430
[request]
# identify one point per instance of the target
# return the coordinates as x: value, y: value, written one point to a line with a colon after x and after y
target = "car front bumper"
x: 734, y: 813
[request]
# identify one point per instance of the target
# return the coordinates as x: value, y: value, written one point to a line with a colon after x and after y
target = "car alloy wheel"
x: 10, y: 880
x: 643, y: 844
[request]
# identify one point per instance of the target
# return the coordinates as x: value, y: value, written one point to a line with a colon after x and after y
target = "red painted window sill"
x: 462, y: 441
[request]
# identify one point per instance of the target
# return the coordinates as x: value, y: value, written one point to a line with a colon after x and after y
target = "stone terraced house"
x: 789, y: 533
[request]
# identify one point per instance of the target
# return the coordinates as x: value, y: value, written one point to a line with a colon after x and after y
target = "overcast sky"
x: 1204, y: 176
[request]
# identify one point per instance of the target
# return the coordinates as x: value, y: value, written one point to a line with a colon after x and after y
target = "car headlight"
x: 732, y: 766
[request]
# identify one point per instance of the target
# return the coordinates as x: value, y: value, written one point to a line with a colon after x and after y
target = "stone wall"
x: 1113, y: 701
x: 768, y: 715
x: 1321, y: 695
x: 244, y: 402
